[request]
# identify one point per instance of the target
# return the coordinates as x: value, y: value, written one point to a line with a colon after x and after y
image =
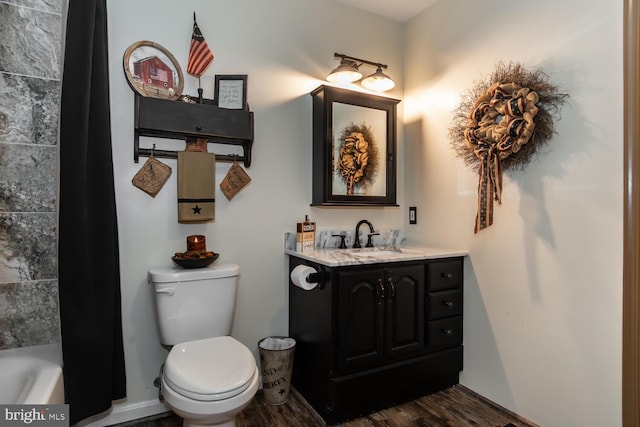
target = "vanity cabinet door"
x: 381, y: 315
x: 405, y: 310
x: 360, y: 318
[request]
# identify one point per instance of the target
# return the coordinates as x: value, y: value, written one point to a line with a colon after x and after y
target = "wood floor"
x: 454, y: 407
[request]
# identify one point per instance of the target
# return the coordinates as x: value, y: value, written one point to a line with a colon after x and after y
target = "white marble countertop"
x: 332, y: 257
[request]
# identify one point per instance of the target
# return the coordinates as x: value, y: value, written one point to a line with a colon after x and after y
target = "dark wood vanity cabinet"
x: 374, y: 335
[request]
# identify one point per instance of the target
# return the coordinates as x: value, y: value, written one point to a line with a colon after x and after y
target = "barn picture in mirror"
x: 152, y: 70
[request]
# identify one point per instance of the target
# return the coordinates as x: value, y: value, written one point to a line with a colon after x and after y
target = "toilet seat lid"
x: 210, y: 369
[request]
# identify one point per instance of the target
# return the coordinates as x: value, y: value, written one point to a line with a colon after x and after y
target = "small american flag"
x: 200, y: 56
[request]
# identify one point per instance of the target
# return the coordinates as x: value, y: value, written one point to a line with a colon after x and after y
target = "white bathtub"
x: 31, y: 375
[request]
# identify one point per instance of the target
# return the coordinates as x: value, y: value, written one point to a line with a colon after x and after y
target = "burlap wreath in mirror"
x: 500, y: 124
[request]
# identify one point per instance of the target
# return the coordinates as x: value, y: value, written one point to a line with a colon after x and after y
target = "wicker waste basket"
x: 276, y: 361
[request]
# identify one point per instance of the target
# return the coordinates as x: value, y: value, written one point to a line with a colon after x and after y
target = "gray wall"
x: 543, y: 285
x: 286, y: 47
x: 30, y: 63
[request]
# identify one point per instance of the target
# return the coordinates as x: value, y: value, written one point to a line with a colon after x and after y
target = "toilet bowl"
x: 218, y: 413
x: 208, y: 376
x: 208, y: 382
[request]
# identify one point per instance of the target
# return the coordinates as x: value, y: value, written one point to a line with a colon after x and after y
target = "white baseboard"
x: 122, y: 413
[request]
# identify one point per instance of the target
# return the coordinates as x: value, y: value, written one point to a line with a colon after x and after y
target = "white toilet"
x: 208, y: 377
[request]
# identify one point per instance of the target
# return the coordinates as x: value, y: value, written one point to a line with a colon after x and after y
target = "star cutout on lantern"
x: 281, y: 391
x: 196, y: 210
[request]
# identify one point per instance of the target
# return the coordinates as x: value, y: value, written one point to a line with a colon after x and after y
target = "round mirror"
x: 152, y: 70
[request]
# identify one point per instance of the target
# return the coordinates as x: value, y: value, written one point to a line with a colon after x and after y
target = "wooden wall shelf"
x: 163, y: 118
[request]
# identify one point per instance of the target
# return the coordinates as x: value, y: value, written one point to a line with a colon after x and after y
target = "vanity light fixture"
x: 378, y: 81
x: 348, y: 72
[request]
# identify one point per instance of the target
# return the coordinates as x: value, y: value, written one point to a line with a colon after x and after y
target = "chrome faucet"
x: 356, y: 243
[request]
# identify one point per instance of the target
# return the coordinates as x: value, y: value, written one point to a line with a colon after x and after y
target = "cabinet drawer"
x: 444, y: 275
x: 444, y: 304
x: 444, y: 332
x: 179, y: 118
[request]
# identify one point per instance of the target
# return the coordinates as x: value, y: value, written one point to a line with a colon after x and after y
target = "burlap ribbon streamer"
x: 500, y: 122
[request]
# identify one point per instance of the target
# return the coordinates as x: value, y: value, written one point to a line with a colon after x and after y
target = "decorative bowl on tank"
x: 190, y: 260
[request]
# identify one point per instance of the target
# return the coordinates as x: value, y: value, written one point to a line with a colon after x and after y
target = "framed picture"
x: 230, y: 91
x: 354, y: 145
x: 152, y: 70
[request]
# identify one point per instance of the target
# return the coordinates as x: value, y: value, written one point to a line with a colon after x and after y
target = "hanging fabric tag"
x: 235, y: 180
x: 152, y: 176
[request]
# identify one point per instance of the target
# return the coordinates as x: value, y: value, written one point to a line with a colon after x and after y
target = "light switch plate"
x: 413, y: 215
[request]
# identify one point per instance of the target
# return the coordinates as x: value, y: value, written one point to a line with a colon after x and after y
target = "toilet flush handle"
x: 168, y: 291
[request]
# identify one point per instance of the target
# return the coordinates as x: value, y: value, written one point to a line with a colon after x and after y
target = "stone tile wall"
x: 30, y: 69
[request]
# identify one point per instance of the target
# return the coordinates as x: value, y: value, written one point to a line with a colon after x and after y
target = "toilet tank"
x: 194, y: 304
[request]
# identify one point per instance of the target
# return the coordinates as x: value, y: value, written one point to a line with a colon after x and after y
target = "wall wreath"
x: 501, y: 123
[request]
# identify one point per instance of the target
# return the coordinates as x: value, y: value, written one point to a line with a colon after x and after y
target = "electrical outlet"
x: 413, y: 215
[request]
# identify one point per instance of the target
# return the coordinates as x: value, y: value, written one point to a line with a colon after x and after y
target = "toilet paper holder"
x: 315, y: 278
x: 307, y: 277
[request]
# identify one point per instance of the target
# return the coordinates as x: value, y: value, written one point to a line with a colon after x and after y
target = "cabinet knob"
x: 448, y: 332
x: 447, y: 304
x: 446, y: 276
x: 198, y: 128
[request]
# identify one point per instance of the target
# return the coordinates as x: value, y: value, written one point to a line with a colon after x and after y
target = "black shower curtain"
x: 88, y: 269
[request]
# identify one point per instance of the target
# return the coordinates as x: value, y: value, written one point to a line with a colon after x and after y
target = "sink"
x: 376, y: 254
